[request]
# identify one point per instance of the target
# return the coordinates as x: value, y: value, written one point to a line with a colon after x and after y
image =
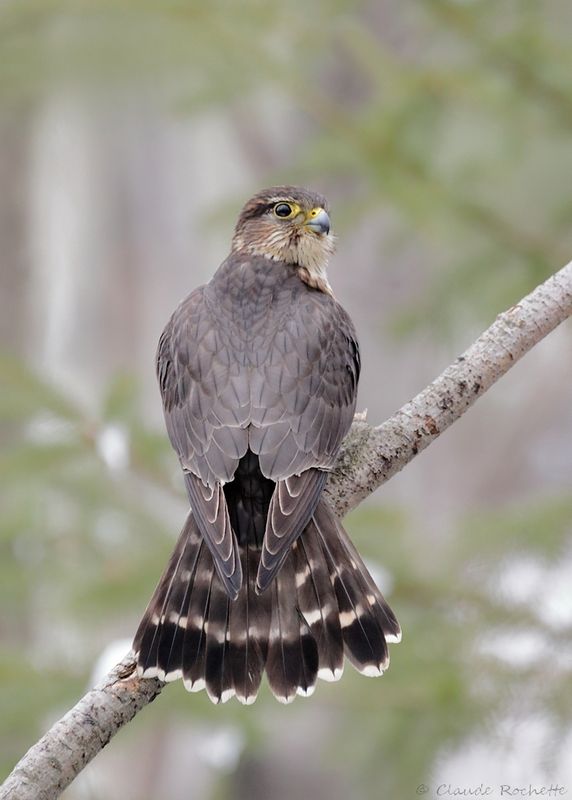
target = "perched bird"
x: 258, y: 372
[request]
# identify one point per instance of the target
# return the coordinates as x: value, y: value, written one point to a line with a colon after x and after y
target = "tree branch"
x: 369, y: 457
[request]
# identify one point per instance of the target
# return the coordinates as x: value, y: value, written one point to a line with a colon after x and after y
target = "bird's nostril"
x: 318, y: 221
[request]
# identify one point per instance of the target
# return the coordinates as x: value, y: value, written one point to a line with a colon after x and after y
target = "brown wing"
x: 206, y: 416
x: 211, y: 514
x: 303, y: 402
x: 303, y: 395
x: 291, y: 508
x: 257, y: 360
x: 205, y: 394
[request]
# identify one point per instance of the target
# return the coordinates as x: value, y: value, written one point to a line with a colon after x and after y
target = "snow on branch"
x: 369, y: 457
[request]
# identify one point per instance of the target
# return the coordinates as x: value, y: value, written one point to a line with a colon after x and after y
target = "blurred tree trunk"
x: 14, y: 265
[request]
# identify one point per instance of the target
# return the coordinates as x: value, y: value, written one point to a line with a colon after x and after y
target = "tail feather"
x: 248, y: 498
x: 363, y: 613
x: 318, y: 604
x: 194, y: 645
x: 172, y: 634
x: 322, y: 605
x: 217, y: 673
x: 158, y: 637
x: 386, y: 617
x: 292, y: 666
x: 249, y: 628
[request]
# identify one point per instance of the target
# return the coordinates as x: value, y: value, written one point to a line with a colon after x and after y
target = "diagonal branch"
x: 369, y: 457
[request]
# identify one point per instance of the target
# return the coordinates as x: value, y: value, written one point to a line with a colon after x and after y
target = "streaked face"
x: 287, y: 224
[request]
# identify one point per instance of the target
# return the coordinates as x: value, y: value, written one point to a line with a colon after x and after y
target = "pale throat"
x: 308, y: 252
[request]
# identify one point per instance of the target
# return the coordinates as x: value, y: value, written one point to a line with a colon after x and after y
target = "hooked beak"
x: 318, y: 221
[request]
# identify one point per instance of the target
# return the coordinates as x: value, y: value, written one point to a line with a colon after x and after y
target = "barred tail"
x: 366, y: 621
x: 322, y: 604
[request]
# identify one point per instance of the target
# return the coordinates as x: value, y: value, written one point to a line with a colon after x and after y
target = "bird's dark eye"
x: 283, y: 210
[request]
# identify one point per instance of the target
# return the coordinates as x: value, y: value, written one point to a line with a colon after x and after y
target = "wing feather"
x: 257, y: 360
x: 292, y: 505
x: 211, y: 513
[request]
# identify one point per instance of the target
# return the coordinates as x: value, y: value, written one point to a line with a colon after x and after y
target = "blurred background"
x: 130, y: 135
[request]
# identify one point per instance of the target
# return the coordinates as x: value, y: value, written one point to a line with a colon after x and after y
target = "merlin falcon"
x: 258, y: 372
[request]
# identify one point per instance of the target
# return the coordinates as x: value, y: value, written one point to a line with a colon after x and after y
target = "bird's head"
x: 291, y: 225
